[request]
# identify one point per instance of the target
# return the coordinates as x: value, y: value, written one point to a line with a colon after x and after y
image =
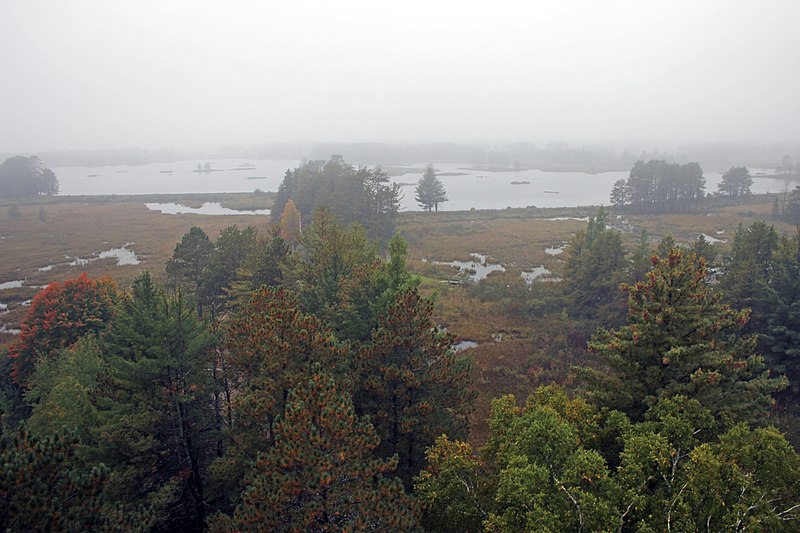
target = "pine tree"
x: 746, y: 271
x: 44, y: 488
x: 189, y: 259
x: 268, y: 349
x: 781, y: 337
x: 430, y: 190
x: 229, y: 253
x: 681, y: 339
x: 320, y: 475
x: 595, y: 267
x: 411, y: 384
x: 154, y: 407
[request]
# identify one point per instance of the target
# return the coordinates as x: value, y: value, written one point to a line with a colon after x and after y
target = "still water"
x: 471, y: 188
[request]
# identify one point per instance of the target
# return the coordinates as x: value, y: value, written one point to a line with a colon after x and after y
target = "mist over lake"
x: 466, y: 187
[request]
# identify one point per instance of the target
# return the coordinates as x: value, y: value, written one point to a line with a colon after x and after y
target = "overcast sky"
x: 169, y: 73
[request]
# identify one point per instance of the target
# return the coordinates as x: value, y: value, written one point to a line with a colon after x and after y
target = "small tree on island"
x: 430, y: 190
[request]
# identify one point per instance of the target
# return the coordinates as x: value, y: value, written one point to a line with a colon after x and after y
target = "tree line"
x: 352, y: 194
x: 23, y: 177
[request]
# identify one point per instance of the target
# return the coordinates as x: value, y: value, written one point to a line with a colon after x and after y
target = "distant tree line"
x: 23, y: 177
x: 352, y: 194
x: 660, y: 187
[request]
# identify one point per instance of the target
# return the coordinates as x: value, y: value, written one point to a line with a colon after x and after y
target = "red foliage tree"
x: 60, y: 315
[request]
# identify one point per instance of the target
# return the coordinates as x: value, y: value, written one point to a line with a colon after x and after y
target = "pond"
x: 476, y: 270
x: 208, y: 208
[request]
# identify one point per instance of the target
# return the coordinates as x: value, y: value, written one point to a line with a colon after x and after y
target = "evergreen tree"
x: 680, y: 339
x: 229, y: 253
x: 747, y: 270
x: 189, y: 259
x: 155, y: 409
x: 269, y: 348
x: 43, y: 487
x: 781, y: 337
x: 736, y: 182
x: 640, y: 258
x: 370, y: 290
x: 595, y: 267
x: 264, y: 265
x: 26, y: 176
x: 411, y: 384
x: 320, y: 475
x: 364, y: 196
x: 331, y: 257
x: 430, y: 190
x: 619, y: 194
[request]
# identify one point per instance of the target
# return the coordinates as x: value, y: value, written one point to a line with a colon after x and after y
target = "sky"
x: 93, y: 74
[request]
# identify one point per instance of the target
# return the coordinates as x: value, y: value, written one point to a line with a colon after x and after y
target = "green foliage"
x: 44, y: 488
x: 702, y: 249
x: 263, y: 267
x: 680, y: 339
x: 746, y: 271
x: 154, y: 410
x: 186, y: 266
x: 230, y: 251
x: 320, y: 475
x: 368, y: 293
x: 547, y: 478
x: 269, y: 348
x: 658, y: 186
x: 332, y: 257
x: 412, y: 386
x: 595, y: 267
x: 63, y: 391
x: 454, y: 487
x: 736, y: 182
x: 353, y: 195
x: 677, y: 475
x: 430, y: 192
x: 22, y: 177
x: 780, y: 338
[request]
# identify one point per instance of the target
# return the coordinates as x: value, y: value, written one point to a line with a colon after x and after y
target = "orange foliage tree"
x: 60, y: 315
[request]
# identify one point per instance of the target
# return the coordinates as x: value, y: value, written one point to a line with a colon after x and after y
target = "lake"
x: 472, y: 188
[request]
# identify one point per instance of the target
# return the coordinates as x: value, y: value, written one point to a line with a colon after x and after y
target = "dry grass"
x: 82, y: 229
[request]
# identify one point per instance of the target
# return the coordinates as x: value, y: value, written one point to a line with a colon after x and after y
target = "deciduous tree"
x: 59, y: 315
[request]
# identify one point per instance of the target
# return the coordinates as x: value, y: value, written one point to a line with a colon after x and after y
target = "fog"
x: 107, y: 74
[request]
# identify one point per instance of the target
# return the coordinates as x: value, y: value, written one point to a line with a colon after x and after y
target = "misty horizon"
x: 108, y: 75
